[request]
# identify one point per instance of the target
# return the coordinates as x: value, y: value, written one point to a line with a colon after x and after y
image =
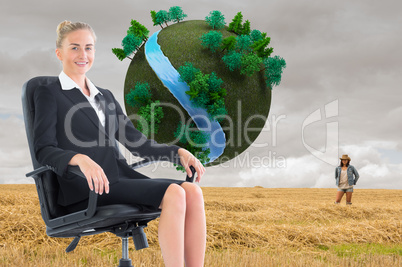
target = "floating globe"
x: 247, y: 101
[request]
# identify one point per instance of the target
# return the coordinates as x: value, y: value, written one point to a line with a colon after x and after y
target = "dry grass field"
x: 246, y: 227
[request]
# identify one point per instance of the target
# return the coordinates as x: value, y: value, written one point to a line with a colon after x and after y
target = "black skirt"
x: 141, y: 191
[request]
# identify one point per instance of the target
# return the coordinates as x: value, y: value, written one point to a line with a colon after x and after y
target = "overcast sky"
x: 340, y: 93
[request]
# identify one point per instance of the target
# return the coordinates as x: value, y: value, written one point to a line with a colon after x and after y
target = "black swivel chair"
x: 124, y: 221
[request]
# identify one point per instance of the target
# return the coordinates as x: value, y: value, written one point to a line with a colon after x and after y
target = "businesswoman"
x: 346, y: 177
x: 79, y: 124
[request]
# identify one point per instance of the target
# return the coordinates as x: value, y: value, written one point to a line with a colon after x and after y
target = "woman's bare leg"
x: 171, y: 225
x: 349, y: 197
x: 339, y: 196
x: 195, y: 226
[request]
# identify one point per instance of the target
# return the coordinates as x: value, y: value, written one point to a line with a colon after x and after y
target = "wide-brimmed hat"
x: 345, y: 157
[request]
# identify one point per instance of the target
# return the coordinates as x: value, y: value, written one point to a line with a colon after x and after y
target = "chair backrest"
x: 48, y: 180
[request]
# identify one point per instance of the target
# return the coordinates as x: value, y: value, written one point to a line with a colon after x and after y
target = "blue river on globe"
x: 170, y: 79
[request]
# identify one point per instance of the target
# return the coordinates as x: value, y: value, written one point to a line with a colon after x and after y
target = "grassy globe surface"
x: 247, y: 101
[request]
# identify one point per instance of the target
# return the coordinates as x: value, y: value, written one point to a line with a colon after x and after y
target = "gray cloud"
x: 14, y: 153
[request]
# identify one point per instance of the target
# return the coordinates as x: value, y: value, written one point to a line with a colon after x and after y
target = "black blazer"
x: 66, y: 124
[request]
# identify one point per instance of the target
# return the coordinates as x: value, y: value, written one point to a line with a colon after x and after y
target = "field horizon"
x: 246, y: 226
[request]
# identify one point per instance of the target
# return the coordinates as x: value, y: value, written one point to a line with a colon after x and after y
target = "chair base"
x: 125, y: 263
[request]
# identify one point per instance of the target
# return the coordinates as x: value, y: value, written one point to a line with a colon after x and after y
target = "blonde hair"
x: 66, y: 27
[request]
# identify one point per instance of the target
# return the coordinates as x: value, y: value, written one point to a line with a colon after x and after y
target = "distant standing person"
x: 346, y: 177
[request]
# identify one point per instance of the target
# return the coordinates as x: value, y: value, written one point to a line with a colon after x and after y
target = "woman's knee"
x: 193, y: 193
x: 175, y: 197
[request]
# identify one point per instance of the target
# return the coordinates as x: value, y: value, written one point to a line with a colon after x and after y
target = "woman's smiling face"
x: 77, y: 52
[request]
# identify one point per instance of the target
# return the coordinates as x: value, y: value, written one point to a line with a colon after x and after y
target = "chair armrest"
x: 146, y: 162
x: 93, y: 197
x: 69, y: 218
x: 191, y: 179
x: 38, y: 171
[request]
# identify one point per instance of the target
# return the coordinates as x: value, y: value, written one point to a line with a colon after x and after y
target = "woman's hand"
x: 93, y: 172
x: 187, y: 159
